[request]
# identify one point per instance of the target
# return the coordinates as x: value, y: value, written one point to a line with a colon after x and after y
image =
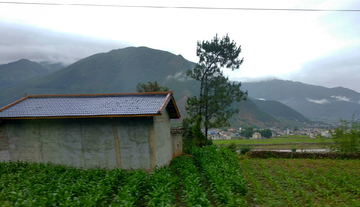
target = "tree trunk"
x: 200, y: 97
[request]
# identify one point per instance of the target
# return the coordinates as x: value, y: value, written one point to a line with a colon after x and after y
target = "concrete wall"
x: 176, y: 138
x: 128, y: 143
x: 163, y: 139
x: 4, y: 144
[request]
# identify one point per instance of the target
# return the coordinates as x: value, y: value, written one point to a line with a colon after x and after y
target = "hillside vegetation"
x: 19, y: 71
x: 280, y: 110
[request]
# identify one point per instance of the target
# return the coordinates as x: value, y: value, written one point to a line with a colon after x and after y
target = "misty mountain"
x: 119, y: 71
x: 52, y: 66
x: 252, y: 115
x: 280, y: 110
x: 19, y: 71
x: 315, y: 102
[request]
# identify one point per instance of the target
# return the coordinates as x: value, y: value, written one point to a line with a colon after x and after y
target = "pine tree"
x: 216, y: 92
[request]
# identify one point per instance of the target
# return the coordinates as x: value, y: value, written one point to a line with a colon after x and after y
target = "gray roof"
x: 88, y: 105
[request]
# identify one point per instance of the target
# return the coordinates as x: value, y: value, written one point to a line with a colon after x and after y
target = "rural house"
x: 129, y: 130
x: 256, y: 135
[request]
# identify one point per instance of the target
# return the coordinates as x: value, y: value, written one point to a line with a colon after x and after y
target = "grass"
x: 298, y: 146
x: 294, y: 136
x: 290, y: 182
x: 272, y: 141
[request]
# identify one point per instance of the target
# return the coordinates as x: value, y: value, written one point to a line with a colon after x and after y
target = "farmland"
x: 213, y: 178
x: 302, y: 182
x: 273, y: 141
x: 300, y: 143
x: 208, y: 177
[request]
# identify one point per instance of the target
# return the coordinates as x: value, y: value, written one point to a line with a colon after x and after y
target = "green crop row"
x: 191, y: 179
x: 211, y: 175
x: 37, y: 184
x: 221, y: 170
x: 302, y: 182
x: 161, y: 187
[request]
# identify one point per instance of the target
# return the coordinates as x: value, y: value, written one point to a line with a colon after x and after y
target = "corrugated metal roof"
x: 134, y: 104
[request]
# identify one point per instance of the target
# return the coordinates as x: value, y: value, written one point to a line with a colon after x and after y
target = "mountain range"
x: 314, y: 102
x: 119, y: 71
x: 13, y: 73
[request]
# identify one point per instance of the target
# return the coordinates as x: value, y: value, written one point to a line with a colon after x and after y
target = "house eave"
x: 80, y: 117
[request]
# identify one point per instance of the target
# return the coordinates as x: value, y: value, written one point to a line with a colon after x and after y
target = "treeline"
x: 249, y: 131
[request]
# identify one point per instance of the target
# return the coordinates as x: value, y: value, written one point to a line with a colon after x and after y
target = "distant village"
x: 235, y: 133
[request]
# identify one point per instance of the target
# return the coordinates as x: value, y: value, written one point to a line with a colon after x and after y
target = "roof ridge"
x: 99, y: 94
x: 165, y: 102
x: 13, y: 103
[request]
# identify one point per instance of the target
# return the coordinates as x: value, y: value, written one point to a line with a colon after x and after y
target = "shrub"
x: 188, y: 140
x: 347, y: 137
x: 193, y: 136
x: 244, y: 149
x: 232, y: 147
x: 293, y: 149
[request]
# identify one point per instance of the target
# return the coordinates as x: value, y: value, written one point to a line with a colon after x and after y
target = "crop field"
x: 297, y: 142
x: 212, y: 179
x: 302, y: 182
x: 210, y: 176
x: 272, y: 141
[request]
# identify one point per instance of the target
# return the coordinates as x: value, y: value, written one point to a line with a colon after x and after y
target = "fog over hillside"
x: 18, y: 41
x: 314, y: 42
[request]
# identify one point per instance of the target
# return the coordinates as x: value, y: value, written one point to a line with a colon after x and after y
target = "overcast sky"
x: 315, y: 47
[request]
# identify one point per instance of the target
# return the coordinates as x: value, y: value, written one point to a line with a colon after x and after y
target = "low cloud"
x: 36, y: 44
x: 340, y: 68
x: 180, y: 76
x: 321, y: 101
x: 341, y: 98
x: 260, y: 99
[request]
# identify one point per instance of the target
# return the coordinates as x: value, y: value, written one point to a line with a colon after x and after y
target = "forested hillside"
x: 119, y: 71
x: 19, y: 71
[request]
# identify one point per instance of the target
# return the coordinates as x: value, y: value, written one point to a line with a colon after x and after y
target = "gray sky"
x: 315, y: 47
x: 19, y: 41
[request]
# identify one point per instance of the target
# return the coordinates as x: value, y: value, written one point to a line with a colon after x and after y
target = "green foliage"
x: 216, y: 92
x: 130, y: 192
x: 293, y: 149
x: 193, y: 136
x: 248, y: 132
x: 190, y: 178
x: 160, y: 187
x: 150, y: 87
x: 215, y: 175
x: 244, y: 149
x: 199, y: 138
x: 38, y: 184
x: 267, y: 133
x: 188, y: 138
x: 305, y: 182
x: 222, y: 171
x: 232, y: 147
x: 347, y: 137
